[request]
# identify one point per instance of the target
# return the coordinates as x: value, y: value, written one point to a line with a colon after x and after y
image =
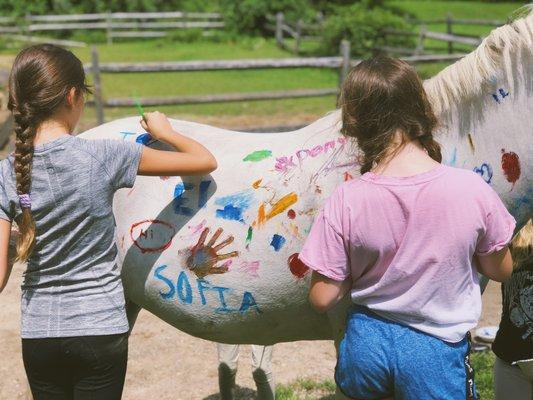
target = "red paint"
x: 291, y: 214
x: 347, y: 177
x: 298, y: 268
x: 164, y: 178
x: 511, y: 166
x: 164, y: 232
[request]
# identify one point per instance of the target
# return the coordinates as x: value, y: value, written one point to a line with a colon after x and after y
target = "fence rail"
x: 342, y: 63
x: 120, y: 24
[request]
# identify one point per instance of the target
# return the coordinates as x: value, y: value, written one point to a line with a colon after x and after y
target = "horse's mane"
x: 467, y: 78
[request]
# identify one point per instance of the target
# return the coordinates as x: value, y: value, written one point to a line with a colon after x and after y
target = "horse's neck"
x: 491, y: 135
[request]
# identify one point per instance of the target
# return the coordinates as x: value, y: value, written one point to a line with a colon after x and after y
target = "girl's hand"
x: 157, y: 125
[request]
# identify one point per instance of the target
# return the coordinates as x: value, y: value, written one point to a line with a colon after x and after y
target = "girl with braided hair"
x: 59, y: 190
x: 402, y: 240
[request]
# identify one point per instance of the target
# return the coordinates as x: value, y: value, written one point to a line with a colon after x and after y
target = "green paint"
x: 249, y: 235
x: 258, y: 155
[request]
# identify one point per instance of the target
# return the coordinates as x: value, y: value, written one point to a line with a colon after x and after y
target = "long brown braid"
x: 380, y: 97
x: 40, y: 80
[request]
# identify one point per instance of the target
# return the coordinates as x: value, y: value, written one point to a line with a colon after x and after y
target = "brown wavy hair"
x: 380, y: 97
x: 40, y: 81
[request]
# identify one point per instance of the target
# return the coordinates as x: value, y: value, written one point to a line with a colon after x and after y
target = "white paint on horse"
x: 269, y: 186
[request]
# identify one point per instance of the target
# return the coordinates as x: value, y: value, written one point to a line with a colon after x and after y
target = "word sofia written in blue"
x: 203, y: 292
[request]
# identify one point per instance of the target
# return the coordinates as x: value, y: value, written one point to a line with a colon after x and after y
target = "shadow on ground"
x: 241, y: 393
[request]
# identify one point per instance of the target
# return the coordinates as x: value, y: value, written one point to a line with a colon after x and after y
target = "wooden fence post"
x: 421, y: 39
x: 279, y: 29
x: 449, y: 30
x: 345, y: 62
x: 98, y: 102
x: 109, y: 27
x: 299, y: 27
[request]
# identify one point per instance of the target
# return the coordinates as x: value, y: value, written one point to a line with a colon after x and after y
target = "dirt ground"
x: 167, y: 364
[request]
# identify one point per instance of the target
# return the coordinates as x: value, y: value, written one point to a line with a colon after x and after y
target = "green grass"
x: 305, y: 389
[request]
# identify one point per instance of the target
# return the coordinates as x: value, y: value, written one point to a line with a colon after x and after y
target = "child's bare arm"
x: 326, y: 292
x: 191, y: 159
x: 497, y: 266
x: 6, y: 264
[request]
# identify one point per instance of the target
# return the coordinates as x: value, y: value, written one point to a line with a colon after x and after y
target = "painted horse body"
x: 265, y: 194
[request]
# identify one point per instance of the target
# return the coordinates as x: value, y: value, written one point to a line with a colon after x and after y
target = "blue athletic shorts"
x: 379, y: 358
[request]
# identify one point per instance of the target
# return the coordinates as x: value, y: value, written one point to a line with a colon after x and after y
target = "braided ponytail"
x: 40, y: 81
x: 380, y: 97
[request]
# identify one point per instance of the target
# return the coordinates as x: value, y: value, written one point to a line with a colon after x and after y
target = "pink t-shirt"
x: 408, y: 242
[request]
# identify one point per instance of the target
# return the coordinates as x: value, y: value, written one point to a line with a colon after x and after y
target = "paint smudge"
x: 164, y: 178
x: 126, y: 134
x: 204, y: 257
x: 501, y: 92
x: 453, y: 160
x: 511, y: 166
x: 249, y: 237
x: 277, y: 242
x: 257, y: 156
x: 257, y: 183
x: 282, y: 204
x: 485, y: 171
x: 144, y: 138
x: 347, y: 177
x: 234, y: 205
x: 251, y: 268
x: 471, y: 143
x: 152, y: 235
x: 180, y: 201
x: 296, y: 266
x: 291, y: 214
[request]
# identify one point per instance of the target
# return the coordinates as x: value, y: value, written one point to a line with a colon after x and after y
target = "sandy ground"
x: 167, y: 364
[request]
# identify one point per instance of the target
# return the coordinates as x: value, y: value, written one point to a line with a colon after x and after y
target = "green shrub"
x: 250, y: 16
x: 362, y: 24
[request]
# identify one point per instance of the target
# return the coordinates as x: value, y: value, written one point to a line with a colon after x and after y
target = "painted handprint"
x: 204, y: 257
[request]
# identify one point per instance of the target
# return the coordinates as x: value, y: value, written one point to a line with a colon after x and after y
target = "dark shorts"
x: 76, y: 368
x: 379, y: 358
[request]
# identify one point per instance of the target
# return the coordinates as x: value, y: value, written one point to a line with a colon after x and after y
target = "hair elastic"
x: 25, y: 200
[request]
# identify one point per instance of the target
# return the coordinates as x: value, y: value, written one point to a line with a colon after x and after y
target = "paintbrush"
x: 147, y: 140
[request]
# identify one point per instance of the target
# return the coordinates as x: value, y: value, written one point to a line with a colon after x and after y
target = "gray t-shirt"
x: 72, y: 284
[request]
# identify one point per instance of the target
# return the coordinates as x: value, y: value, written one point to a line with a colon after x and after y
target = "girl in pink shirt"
x: 403, y: 239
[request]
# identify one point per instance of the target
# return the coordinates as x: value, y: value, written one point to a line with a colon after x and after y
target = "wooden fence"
x: 115, y: 25
x: 342, y: 63
x: 301, y: 31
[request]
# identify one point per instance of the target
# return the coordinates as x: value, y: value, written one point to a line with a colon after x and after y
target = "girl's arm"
x: 326, y: 292
x: 191, y: 159
x: 497, y: 266
x: 6, y: 265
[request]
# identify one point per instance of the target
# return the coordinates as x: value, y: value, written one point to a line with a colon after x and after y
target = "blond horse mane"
x: 466, y: 79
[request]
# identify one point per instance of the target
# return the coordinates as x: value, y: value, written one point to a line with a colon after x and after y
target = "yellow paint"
x: 257, y: 183
x: 282, y: 204
x: 261, y: 215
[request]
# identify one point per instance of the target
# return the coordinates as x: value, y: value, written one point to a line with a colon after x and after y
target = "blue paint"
x: 231, y: 213
x: 223, y: 309
x: 495, y: 97
x: 202, y: 286
x: 144, y: 138
x: 126, y: 134
x: 184, y: 288
x: 503, y: 93
x: 277, y: 242
x: 205, y: 293
x: 171, y: 290
x: 234, y: 205
x: 485, y: 171
x: 248, y: 302
x: 180, y: 200
x: 453, y: 160
x: 202, y: 196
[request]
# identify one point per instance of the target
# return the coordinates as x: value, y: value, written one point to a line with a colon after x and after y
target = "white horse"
x: 252, y: 289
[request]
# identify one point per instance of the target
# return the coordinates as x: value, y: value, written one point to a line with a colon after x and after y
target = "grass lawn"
x: 306, y: 389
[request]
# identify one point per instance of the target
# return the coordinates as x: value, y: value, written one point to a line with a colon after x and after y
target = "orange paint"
x: 257, y: 183
x: 282, y: 204
x: 261, y: 215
